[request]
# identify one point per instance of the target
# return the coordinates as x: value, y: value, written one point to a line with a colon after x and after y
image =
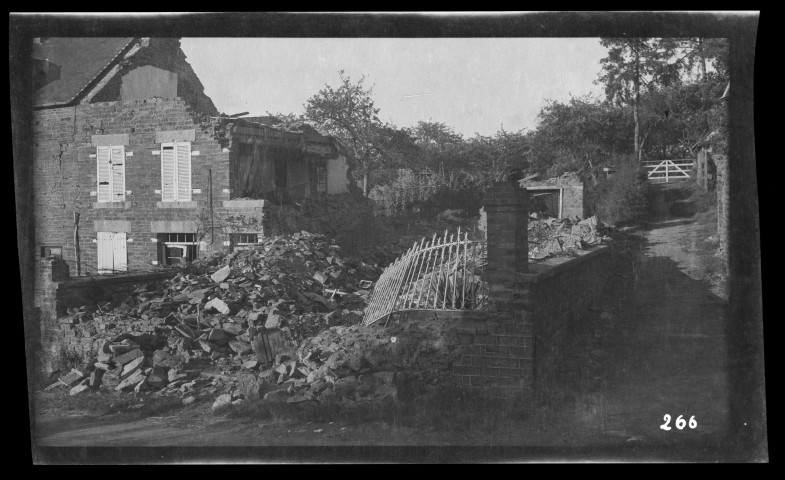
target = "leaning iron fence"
x: 441, y: 274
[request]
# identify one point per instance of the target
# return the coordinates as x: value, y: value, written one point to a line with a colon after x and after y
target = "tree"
x: 348, y: 113
x: 580, y: 135
x: 629, y: 68
x: 440, y: 147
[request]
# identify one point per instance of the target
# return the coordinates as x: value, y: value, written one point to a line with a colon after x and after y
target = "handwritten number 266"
x: 680, y: 423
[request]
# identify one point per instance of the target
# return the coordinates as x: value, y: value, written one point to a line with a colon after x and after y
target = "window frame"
x: 112, y: 197
x: 176, y: 179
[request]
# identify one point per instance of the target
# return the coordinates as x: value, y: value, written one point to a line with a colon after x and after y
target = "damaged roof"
x: 567, y: 178
x: 80, y: 60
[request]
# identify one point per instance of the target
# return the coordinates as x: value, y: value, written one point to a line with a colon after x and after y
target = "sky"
x: 474, y: 85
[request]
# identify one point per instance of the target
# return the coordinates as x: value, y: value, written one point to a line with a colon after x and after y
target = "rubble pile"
x: 230, y: 313
x: 563, y: 236
x: 354, y: 365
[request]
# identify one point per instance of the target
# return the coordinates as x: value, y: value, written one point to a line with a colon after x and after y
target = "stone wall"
x: 723, y: 197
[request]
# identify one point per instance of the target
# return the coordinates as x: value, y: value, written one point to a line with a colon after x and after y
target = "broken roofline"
x: 272, y: 135
x: 104, y: 75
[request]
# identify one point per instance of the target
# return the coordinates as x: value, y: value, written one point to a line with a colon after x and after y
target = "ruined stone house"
x: 135, y: 167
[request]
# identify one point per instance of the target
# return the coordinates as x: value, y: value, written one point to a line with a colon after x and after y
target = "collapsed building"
x: 135, y: 167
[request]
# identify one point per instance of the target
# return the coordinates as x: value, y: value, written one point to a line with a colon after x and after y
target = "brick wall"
x: 515, y: 347
x: 559, y: 294
x: 493, y: 353
x: 64, y: 175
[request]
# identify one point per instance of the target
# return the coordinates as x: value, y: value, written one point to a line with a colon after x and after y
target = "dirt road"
x: 660, y: 350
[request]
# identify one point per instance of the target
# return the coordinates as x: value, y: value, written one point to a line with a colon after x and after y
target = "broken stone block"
x: 72, y: 377
x: 250, y: 364
x: 188, y: 400
x: 274, y: 320
x: 249, y: 385
x: 134, y: 365
x: 218, y: 335
x: 164, y: 359
x: 128, y: 356
x: 131, y: 381
x: 222, y: 400
x: 158, y: 377
x: 219, y: 305
x: 233, y: 328
x: 79, y: 388
x: 206, y: 346
x: 141, y: 385
x: 320, y: 277
x: 95, y: 379
x: 221, y: 274
x: 268, y: 376
x: 174, y: 375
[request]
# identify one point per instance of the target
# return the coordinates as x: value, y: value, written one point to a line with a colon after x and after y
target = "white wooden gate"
x: 112, y: 252
x: 667, y: 171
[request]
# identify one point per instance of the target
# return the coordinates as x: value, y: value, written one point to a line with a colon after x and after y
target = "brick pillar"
x: 506, y: 206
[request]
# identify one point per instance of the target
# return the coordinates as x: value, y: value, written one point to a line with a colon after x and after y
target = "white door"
x: 112, y: 253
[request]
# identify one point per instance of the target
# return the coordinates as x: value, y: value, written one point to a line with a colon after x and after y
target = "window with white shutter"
x: 111, y: 173
x: 176, y: 172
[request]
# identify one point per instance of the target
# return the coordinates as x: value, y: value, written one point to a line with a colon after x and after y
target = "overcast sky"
x: 475, y: 85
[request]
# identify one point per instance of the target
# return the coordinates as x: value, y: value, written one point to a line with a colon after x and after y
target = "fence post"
x: 506, y: 205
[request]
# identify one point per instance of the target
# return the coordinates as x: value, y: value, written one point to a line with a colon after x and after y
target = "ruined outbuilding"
x: 560, y: 197
x: 135, y: 167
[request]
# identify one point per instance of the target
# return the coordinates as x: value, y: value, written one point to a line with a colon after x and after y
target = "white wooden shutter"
x: 104, y: 173
x: 120, y: 252
x: 105, y: 252
x: 118, y: 174
x: 183, y: 171
x: 168, y: 174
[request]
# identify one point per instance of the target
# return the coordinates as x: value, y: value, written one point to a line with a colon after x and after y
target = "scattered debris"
x: 563, y: 236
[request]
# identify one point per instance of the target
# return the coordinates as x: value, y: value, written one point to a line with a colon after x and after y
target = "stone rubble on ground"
x: 551, y: 237
x: 194, y: 333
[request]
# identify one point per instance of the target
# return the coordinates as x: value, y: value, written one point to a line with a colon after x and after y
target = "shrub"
x: 623, y: 197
